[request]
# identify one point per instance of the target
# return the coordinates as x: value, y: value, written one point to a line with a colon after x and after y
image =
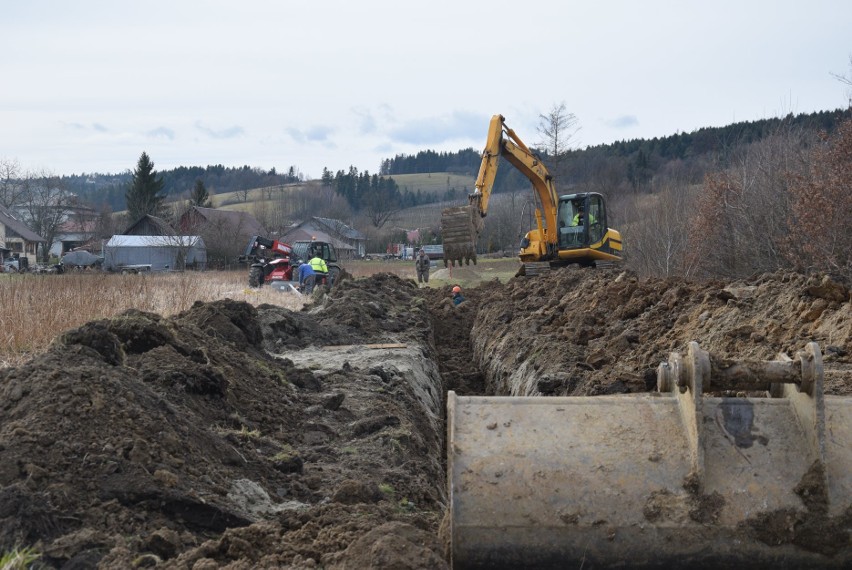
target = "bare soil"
x: 233, y: 436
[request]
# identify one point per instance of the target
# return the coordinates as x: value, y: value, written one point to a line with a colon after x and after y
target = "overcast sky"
x: 88, y: 85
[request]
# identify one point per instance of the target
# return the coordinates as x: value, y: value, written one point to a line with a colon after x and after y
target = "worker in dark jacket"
x: 421, y: 264
x: 457, y: 296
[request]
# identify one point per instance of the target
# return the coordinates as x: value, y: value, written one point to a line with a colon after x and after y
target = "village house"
x: 16, y: 239
x: 78, y: 231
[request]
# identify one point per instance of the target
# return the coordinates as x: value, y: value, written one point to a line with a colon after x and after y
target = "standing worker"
x: 320, y: 268
x: 421, y: 264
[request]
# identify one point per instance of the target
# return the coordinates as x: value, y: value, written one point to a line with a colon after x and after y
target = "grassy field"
x: 501, y: 269
x: 37, y: 308
x: 428, y: 183
x: 434, y: 183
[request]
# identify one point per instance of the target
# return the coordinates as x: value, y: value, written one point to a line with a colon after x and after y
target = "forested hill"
x: 678, y: 146
x: 109, y: 189
x: 623, y: 163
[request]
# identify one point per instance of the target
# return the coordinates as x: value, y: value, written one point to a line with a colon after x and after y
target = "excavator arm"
x: 462, y: 225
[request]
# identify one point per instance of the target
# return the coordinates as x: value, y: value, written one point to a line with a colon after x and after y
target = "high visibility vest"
x: 577, y: 219
x: 318, y: 264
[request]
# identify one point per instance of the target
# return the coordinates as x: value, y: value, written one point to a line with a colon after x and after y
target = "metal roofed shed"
x: 159, y: 253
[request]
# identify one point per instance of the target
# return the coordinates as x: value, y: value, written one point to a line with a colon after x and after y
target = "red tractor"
x: 276, y: 263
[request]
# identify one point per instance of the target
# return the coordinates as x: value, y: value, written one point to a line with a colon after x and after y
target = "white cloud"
x: 224, y: 133
x: 162, y: 132
x: 623, y: 121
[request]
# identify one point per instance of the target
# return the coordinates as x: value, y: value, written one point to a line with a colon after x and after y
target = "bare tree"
x: 660, y: 235
x: 106, y: 224
x: 741, y: 219
x: 846, y: 80
x: 11, y: 188
x: 380, y: 212
x: 821, y: 213
x: 557, y: 128
x: 46, y: 204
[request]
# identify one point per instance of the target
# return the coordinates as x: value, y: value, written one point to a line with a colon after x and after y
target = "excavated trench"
x: 604, y: 333
x: 237, y: 437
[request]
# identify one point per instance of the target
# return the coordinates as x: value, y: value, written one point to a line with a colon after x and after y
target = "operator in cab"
x: 580, y: 216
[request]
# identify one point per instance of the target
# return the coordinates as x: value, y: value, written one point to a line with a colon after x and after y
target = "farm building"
x: 160, y: 252
x: 349, y: 242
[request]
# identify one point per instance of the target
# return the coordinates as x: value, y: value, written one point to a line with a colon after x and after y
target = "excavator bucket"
x: 460, y: 228
x: 672, y: 479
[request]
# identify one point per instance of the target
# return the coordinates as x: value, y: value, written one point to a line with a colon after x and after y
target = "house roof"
x: 159, y: 223
x: 154, y: 241
x: 8, y: 219
x: 232, y: 218
x: 300, y: 234
x: 338, y: 227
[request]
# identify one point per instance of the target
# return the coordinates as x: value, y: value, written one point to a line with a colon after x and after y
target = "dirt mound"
x: 183, y: 442
x: 601, y: 332
x: 233, y: 436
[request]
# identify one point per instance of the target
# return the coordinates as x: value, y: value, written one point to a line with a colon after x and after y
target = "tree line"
x: 109, y: 189
x: 661, y: 192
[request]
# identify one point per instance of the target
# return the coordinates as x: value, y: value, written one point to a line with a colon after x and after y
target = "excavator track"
x: 533, y: 268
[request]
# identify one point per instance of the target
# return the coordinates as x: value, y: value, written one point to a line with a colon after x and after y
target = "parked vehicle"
x: 81, y: 259
x: 15, y: 264
x: 273, y: 262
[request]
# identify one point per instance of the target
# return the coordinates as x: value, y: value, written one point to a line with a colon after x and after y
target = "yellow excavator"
x: 569, y: 229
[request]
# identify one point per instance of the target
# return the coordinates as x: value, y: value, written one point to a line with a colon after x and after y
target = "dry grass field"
x: 37, y: 308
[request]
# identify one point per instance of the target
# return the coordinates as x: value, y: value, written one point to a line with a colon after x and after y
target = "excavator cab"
x: 582, y: 220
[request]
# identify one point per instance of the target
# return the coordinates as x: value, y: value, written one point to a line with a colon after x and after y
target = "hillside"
x: 435, y: 183
x: 631, y: 164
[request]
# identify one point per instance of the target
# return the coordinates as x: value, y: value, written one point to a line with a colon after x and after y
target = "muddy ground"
x: 238, y: 437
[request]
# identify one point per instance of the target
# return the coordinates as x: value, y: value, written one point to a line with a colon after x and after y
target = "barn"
x: 159, y: 252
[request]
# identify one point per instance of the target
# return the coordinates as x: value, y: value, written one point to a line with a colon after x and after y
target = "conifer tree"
x: 200, y: 196
x: 143, y: 197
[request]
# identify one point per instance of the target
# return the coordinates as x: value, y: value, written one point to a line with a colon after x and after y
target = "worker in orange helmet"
x: 457, y: 296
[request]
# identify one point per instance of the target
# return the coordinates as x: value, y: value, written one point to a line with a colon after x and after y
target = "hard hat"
x: 456, y: 289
